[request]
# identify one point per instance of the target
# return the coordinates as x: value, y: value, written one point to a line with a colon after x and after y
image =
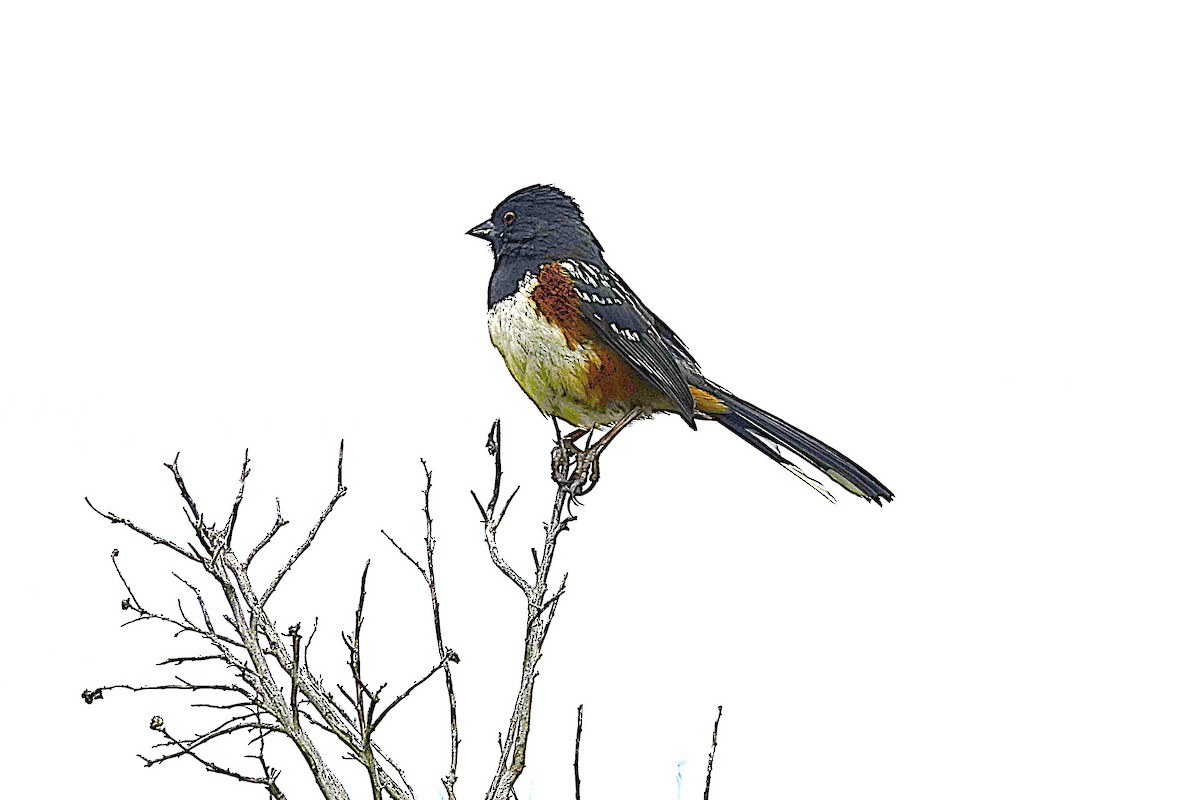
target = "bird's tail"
x: 762, y: 429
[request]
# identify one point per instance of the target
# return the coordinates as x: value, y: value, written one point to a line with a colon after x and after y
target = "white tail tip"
x: 813, y: 482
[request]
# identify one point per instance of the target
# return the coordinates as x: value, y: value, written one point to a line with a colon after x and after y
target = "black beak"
x: 483, y: 230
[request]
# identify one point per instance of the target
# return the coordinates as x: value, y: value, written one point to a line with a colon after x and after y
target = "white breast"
x: 551, y: 372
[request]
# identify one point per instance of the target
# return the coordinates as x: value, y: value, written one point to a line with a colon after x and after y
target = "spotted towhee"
x: 587, y: 350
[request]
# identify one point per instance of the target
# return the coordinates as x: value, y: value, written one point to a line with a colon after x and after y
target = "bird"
x: 588, y: 351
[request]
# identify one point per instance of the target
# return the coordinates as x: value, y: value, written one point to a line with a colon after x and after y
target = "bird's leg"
x: 574, y: 436
x: 618, y: 426
x: 587, y: 474
x: 564, y: 451
x: 560, y: 456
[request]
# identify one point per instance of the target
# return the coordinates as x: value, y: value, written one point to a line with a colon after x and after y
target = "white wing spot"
x: 583, y: 275
x: 628, y: 334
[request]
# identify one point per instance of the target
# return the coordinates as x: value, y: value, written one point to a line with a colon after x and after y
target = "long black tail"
x: 754, y: 425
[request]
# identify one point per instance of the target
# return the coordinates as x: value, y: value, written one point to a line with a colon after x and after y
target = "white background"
x: 957, y: 241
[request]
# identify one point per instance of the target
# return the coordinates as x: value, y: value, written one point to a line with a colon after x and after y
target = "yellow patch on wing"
x: 707, y: 402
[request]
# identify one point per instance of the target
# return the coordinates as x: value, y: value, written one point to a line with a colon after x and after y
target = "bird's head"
x: 540, y: 222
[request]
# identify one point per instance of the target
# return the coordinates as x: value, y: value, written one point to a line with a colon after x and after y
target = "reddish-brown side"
x: 555, y: 299
x: 608, y: 378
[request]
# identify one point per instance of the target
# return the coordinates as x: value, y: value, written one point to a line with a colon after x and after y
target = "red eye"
x: 509, y: 217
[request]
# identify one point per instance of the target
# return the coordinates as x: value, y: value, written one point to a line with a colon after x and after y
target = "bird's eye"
x: 509, y: 217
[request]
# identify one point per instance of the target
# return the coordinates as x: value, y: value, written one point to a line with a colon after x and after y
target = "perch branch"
x: 514, y: 743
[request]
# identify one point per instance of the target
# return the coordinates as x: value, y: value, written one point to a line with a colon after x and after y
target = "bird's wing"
x: 624, y: 324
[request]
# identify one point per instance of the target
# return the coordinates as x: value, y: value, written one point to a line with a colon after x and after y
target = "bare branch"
x: 237, y: 501
x: 404, y: 553
x: 446, y: 656
x: 177, y: 660
x: 265, y: 659
x: 115, y: 520
x: 188, y: 749
x: 254, y: 633
x: 196, y: 518
x: 440, y: 665
x: 269, y: 773
x: 491, y: 522
x: 444, y: 653
x: 712, y: 754
x: 312, y: 534
x: 90, y: 695
x: 514, y: 744
x: 199, y: 601
x: 279, y: 523
x: 294, y: 634
x: 507, y: 502
x: 363, y: 709
x: 578, y: 736
x: 223, y: 728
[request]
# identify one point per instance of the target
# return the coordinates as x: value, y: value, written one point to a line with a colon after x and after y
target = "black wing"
x: 624, y: 324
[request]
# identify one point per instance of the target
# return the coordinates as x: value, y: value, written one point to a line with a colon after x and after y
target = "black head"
x: 539, y: 222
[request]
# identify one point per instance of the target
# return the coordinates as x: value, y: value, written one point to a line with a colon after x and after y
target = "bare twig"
x: 279, y: 523
x: 404, y: 553
x: 268, y: 772
x: 294, y: 634
x: 133, y: 601
x: 90, y: 695
x: 446, y: 656
x: 312, y: 534
x: 365, y: 709
x: 195, y: 517
x: 378, y: 720
x: 712, y: 754
x: 578, y: 736
x: 224, y: 728
x: 115, y: 520
x: 186, y: 750
x: 491, y: 522
x: 208, y: 626
x: 237, y: 501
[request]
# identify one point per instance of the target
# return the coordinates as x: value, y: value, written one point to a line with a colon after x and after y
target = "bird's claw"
x: 560, y: 463
x: 587, y: 472
x: 576, y: 469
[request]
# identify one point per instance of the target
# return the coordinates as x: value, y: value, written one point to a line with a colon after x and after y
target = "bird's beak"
x: 483, y: 230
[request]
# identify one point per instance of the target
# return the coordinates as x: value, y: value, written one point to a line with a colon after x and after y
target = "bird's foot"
x: 560, y: 463
x: 565, y: 452
x: 587, y: 471
x: 574, y: 468
x: 578, y: 470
